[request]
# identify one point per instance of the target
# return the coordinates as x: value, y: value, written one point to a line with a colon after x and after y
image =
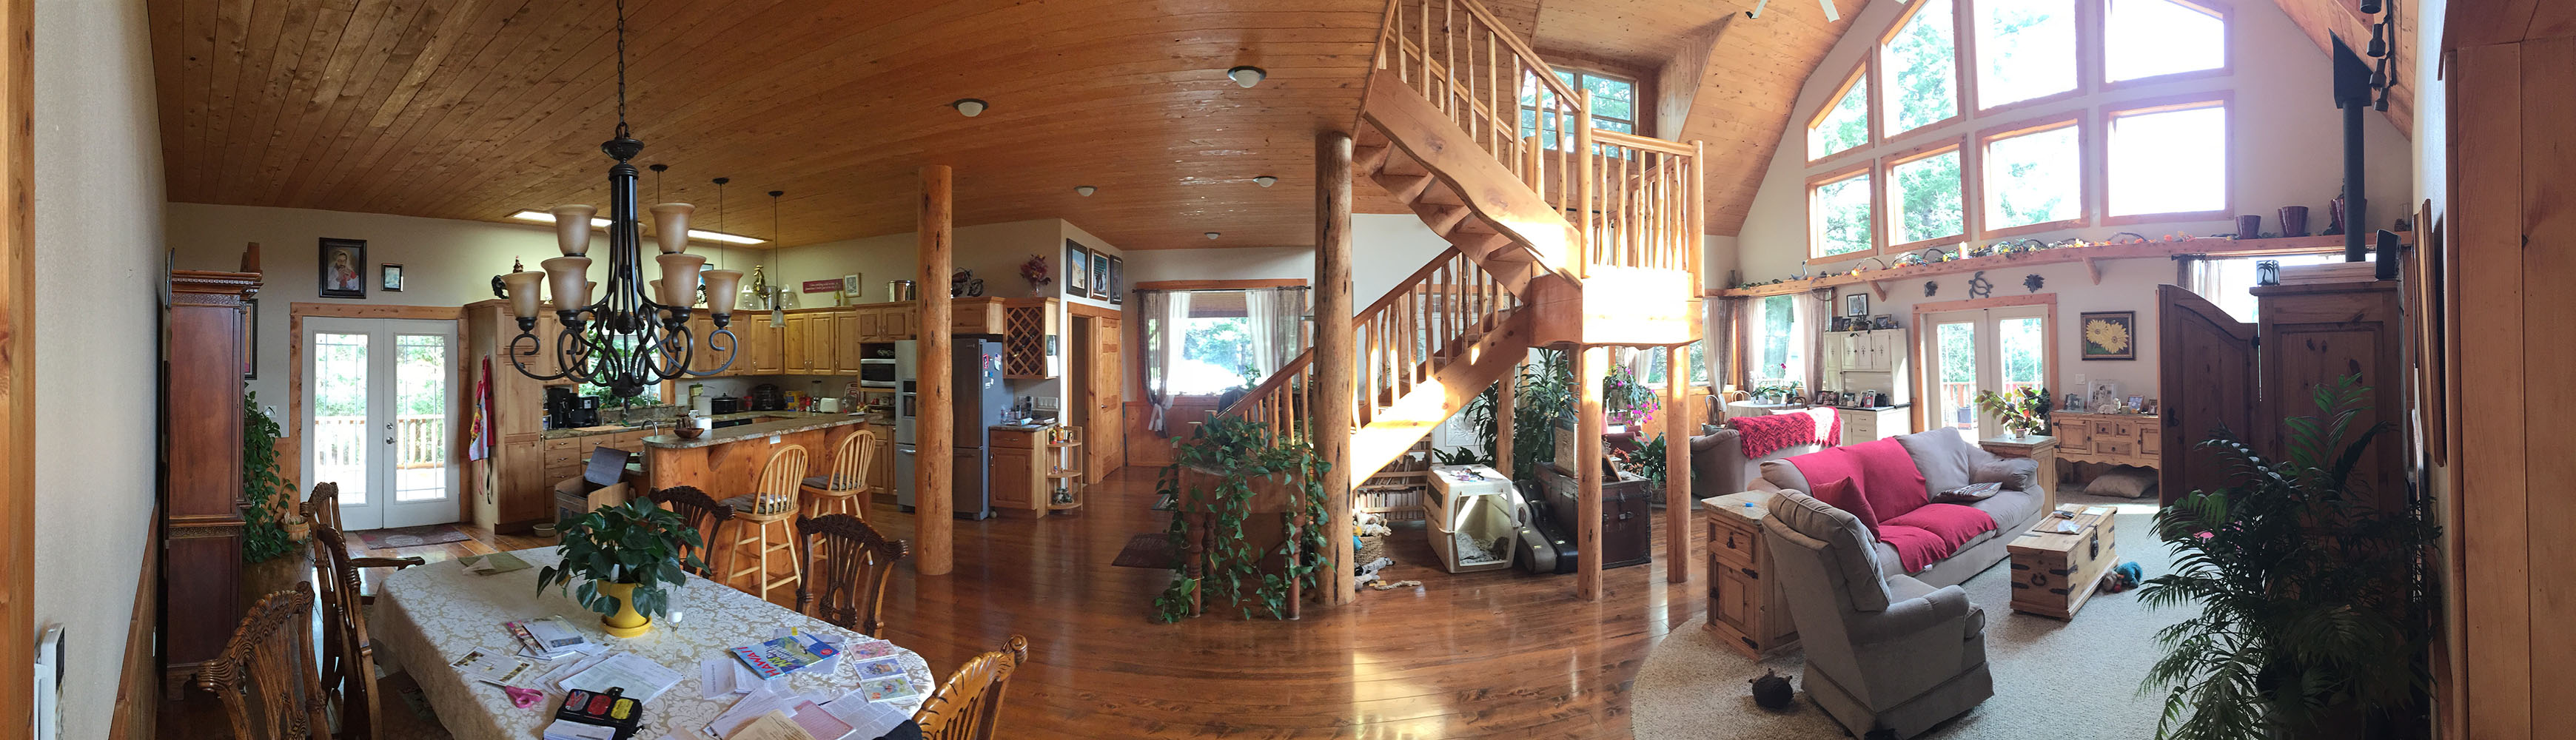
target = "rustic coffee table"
x: 2053, y: 572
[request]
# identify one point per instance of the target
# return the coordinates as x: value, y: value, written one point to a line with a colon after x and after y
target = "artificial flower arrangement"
x: 1037, y: 272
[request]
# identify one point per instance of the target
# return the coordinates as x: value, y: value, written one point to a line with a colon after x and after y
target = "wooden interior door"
x: 1105, y: 441
x: 2206, y: 380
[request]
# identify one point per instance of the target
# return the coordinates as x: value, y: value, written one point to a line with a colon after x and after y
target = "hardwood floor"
x: 1498, y: 654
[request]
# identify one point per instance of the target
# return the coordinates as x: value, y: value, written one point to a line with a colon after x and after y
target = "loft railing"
x: 1635, y: 200
x: 1428, y: 320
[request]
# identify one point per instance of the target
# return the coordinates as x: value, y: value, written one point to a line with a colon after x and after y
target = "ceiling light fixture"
x: 1213, y: 235
x: 1246, y: 75
x: 969, y: 107
x: 543, y: 217
x: 633, y: 336
x: 1265, y: 181
x: 1084, y: 190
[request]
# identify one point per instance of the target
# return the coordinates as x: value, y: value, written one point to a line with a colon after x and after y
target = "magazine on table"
x: 784, y: 655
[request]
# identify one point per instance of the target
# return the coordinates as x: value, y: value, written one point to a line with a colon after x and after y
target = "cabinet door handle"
x: 1750, y: 573
x: 1748, y: 642
x: 1730, y: 540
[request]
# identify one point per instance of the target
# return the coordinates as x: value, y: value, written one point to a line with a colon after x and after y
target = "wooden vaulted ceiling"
x: 475, y: 109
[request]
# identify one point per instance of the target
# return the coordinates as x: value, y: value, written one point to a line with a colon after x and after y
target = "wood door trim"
x: 17, y: 361
x: 1246, y: 284
x: 291, y: 447
x: 1085, y: 309
x: 1915, y: 340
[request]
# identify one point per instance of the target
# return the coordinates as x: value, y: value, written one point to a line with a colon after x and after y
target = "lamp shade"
x: 524, y: 288
x: 679, y: 284
x: 566, y: 277
x: 671, y: 226
x: 572, y: 229
x: 720, y: 290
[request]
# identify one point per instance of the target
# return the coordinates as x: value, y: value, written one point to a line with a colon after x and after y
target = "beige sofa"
x: 1884, y: 652
x: 1720, y: 467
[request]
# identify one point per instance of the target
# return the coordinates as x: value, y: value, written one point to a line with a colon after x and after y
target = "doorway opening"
x: 379, y: 418
x: 1999, y: 349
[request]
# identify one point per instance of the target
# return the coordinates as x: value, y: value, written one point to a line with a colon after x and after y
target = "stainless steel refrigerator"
x: 980, y: 399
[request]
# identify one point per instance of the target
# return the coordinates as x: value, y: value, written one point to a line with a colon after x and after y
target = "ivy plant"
x: 1233, y: 453
x: 264, y: 484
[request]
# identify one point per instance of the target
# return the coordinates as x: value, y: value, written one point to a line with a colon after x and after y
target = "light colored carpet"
x: 2057, y: 679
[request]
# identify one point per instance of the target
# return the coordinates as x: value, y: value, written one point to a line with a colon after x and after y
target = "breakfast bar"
x: 725, y: 462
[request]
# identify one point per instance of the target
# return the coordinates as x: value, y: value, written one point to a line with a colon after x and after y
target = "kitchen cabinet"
x: 881, y: 474
x: 792, y: 349
x: 1029, y: 339
x: 760, y: 345
x: 1870, y: 425
x: 975, y: 316
x: 1018, y: 479
x: 822, y: 346
x: 887, y: 322
x: 845, y: 342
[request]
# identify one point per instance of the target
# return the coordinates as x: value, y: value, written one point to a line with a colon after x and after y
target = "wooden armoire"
x: 202, y: 355
x: 2248, y: 377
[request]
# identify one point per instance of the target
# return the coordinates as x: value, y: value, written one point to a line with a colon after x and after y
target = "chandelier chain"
x: 621, y: 72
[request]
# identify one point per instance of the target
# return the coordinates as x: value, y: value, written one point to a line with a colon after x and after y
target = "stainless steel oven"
x: 877, y: 367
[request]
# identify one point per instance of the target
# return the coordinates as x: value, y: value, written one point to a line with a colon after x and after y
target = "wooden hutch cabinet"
x: 201, y: 473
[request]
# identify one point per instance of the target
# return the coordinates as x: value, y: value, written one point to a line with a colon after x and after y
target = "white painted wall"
x: 98, y: 278
x: 2288, y: 151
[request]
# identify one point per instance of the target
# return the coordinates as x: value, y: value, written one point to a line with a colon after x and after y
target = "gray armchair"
x: 1882, y: 652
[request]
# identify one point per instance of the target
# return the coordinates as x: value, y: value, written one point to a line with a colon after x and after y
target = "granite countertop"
x: 1030, y: 427
x: 805, y: 423
x: 663, y: 424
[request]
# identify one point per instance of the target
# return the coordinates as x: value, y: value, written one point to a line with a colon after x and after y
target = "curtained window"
x: 1211, y: 342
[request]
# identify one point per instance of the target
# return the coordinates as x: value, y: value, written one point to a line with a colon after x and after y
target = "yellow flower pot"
x: 626, y: 622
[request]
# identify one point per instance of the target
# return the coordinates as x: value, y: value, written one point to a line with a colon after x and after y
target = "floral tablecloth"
x: 427, y: 617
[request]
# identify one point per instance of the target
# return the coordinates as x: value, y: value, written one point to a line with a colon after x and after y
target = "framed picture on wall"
x: 1117, y: 280
x: 392, y: 277
x: 2109, y: 335
x: 250, y: 339
x: 1100, y: 287
x: 1856, y: 304
x: 344, y: 268
x: 1077, y: 270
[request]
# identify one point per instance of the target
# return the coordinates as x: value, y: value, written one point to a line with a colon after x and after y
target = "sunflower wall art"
x: 2110, y: 335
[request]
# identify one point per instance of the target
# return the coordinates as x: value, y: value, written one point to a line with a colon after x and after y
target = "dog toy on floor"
x: 1771, y: 691
x: 2123, y: 577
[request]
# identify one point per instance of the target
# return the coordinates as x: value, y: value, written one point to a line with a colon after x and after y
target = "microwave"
x: 876, y: 373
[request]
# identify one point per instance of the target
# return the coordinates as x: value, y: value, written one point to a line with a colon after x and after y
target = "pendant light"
x: 637, y: 333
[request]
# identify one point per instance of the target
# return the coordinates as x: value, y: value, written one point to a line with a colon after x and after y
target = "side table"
x: 1744, y: 607
x: 2039, y: 448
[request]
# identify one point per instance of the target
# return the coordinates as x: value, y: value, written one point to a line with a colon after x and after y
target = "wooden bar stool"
x: 771, y: 503
x: 840, y: 491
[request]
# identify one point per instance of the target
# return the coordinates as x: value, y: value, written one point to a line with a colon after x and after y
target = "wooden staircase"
x: 1560, y: 233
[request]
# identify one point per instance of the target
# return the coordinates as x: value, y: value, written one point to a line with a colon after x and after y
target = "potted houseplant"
x: 2315, y: 604
x: 626, y: 559
x: 2023, y: 411
x: 271, y: 527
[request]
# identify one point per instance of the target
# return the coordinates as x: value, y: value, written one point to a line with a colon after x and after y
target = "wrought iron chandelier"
x: 636, y: 334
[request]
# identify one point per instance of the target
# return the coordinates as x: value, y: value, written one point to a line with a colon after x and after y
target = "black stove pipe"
x: 2352, y: 93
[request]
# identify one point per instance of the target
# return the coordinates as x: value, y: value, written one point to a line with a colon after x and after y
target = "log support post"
x: 1336, y: 356
x: 1506, y: 393
x: 934, y: 428
x: 1677, y: 471
x: 1591, y: 365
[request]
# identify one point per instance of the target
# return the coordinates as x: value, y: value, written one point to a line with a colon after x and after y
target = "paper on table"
x: 556, y: 675
x: 867, y: 719
x: 715, y: 677
x: 820, y: 724
x: 772, y: 726
x: 751, y: 708
x: 642, y: 678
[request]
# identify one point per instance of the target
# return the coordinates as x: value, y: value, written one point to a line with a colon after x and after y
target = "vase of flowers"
x: 626, y: 559
x: 1038, y: 273
x: 2022, y: 411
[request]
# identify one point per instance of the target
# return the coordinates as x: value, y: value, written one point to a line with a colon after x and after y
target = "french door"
x: 379, y: 416
x: 1990, y: 349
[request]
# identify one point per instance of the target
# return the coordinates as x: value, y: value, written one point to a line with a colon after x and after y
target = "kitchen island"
x: 726, y: 462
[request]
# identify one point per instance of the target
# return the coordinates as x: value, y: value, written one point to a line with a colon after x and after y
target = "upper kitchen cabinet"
x: 1029, y: 339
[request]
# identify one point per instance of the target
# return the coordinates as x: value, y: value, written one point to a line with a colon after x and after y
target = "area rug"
x: 435, y: 534
x: 1146, y: 551
x: 2073, y: 679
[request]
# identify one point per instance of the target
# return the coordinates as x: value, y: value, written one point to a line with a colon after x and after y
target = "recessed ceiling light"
x: 601, y: 223
x: 1085, y: 190
x: 1213, y: 235
x: 1246, y: 75
x: 969, y: 107
x: 1265, y: 181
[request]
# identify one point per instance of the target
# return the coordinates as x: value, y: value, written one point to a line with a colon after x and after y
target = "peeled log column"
x: 1591, y: 365
x: 934, y: 428
x: 1336, y: 355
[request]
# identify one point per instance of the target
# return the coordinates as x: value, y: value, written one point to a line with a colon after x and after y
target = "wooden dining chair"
x: 771, y: 503
x: 703, y: 514
x: 843, y: 490
x: 265, y: 676
x: 323, y: 507
x: 348, y: 650
x: 969, y: 705
x: 849, y: 563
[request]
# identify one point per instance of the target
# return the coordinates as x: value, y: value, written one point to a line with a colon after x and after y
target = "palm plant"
x: 1543, y: 392
x: 2314, y: 608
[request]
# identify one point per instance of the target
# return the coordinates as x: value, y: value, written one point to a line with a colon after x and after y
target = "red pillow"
x: 1841, y: 494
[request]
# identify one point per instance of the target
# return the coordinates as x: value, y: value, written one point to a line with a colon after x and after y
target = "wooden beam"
x: 18, y: 362
x: 1678, y: 82
x: 934, y: 429
x: 1677, y: 490
x: 2487, y: 226
x: 2236, y: 247
x: 2093, y: 265
x: 1591, y: 365
x: 1336, y: 353
x: 1246, y: 284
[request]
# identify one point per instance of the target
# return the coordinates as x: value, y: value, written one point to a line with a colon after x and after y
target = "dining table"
x: 427, y: 617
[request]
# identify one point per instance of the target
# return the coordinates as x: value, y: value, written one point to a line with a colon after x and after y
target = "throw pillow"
x: 2124, y: 483
x: 1969, y: 494
x: 1841, y: 494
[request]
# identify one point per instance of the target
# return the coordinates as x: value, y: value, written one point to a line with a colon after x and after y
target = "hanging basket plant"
x: 1213, y: 478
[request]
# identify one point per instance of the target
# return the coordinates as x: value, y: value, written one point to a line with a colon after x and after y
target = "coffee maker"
x: 567, y: 408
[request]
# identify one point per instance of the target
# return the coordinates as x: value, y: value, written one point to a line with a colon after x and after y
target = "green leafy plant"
x: 1543, y: 392
x: 2315, y: 607
x: 2023, y: 411
x: 635, y: 542
x: 1233, y: 452
x: 1627, y: 402
x: 1459, y: 456
x: 264, y: 482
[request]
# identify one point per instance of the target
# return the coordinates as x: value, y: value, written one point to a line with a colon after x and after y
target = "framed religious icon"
x: 344, y: 268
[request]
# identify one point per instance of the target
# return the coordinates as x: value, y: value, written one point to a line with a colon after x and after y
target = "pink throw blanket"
x: 1888, y: 480
x: 1763, y: 435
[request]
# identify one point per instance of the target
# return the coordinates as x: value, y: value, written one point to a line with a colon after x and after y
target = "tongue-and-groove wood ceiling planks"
x: 475, y: 109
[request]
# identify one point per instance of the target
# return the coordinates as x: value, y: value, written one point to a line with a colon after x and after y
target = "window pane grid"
x: 1842, y: 210
x: 2168, y: 161
x: 2034, y: 178
x: 1846, y: 126
x: 1928, y: 194
x: 2025, y: 50
x: 1614, y: 107
x: 2151, y: 38
x: 1920, y: 63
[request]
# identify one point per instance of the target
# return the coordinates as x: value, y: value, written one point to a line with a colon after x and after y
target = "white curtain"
x: 1804, y: 339
x: 1277, y: 317
x: 1166, y: 314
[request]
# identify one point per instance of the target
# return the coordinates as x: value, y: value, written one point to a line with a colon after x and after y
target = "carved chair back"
x: 265, y: 676
x: 702, y: 513
x: 850, y: 563
x: 969, y: 705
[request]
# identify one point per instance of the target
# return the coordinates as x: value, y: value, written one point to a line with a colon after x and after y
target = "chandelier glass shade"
x: 635, y: 333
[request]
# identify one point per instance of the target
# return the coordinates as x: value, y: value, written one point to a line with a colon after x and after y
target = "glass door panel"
x: 420, y: 420
x: 378, y: 419
x: 2023, y: 344
x: 338, y: 427
x: 1979, y: 350
x: 1954, y: 362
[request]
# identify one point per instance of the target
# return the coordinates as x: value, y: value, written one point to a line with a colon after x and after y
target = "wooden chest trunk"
x: 2054, y: 573
x: 1627, y: 520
